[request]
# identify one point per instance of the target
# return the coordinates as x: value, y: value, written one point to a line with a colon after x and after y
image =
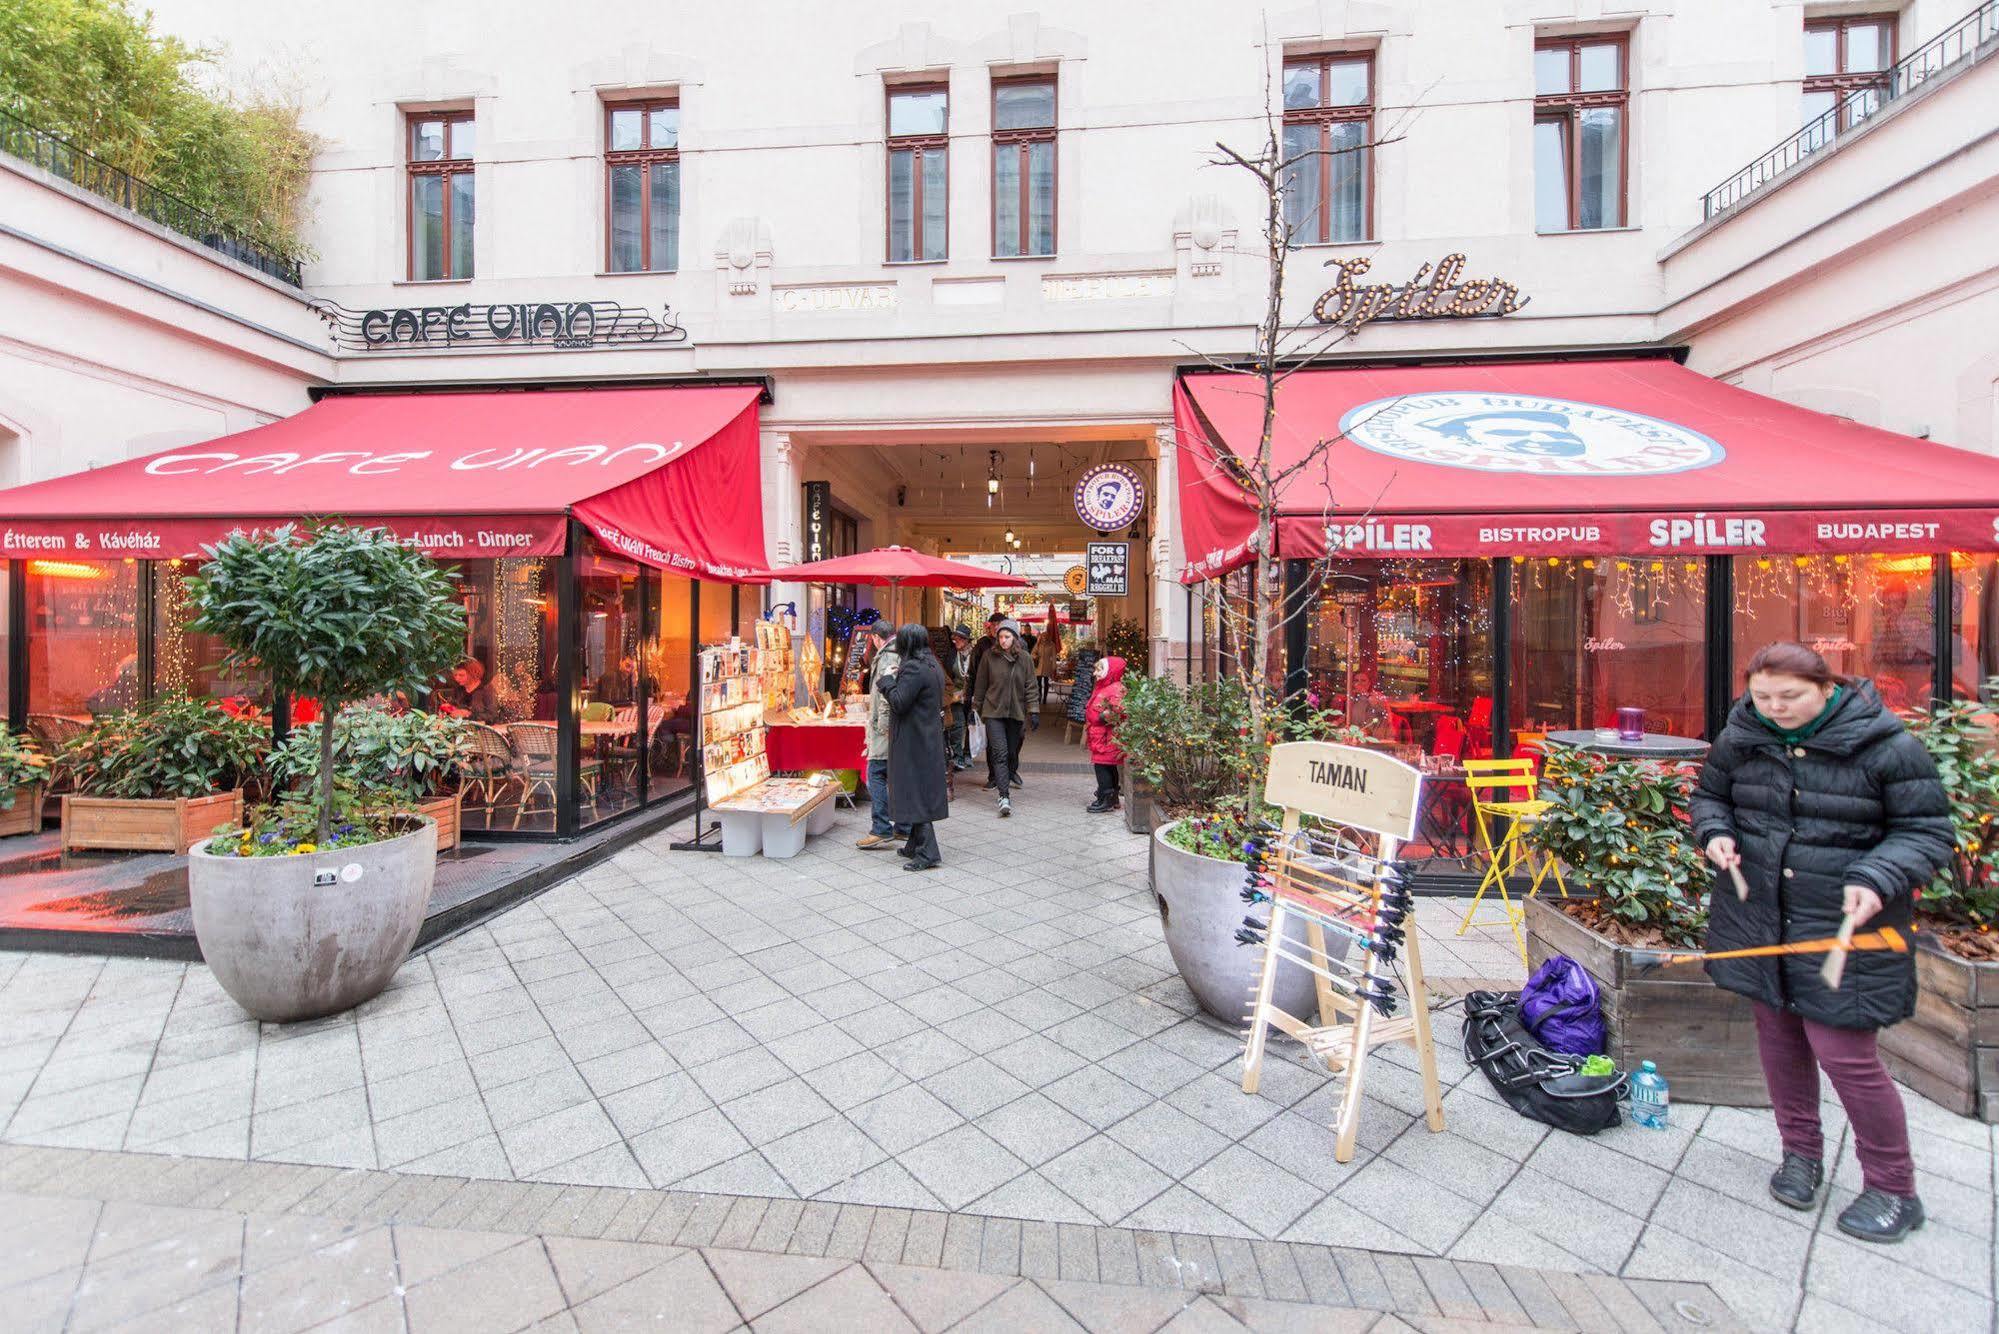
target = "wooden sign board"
x: 1362, y: 789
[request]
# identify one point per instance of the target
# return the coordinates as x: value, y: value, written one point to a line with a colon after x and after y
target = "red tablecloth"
x: 795, y: 746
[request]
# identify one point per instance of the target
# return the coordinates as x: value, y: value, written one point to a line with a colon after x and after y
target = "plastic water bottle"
x: 1649, y: 1099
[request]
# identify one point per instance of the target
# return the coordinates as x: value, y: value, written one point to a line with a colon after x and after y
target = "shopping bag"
x: 978, y: 741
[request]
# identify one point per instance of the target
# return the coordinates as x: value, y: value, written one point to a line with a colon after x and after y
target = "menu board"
x: 1086, y: 680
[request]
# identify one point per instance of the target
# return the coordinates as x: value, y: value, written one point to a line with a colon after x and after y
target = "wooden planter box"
x: 1948, y: 1051
x: 25, y: 815
x: 130, y: 824
x: 1138, y: 811
x: 1702, y: 1038
x: 444, y: 810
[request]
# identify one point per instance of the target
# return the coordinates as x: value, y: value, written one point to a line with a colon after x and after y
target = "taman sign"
x: 1364, y: 789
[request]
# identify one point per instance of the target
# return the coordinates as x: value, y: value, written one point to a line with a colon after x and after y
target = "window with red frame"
x: 1023, y: 167
x: 1581, y: 102
x: 441, y: 195
x: 1328, y: 126
x: 1846, y: 70
x: 642, y: 186
x: 919, y: 172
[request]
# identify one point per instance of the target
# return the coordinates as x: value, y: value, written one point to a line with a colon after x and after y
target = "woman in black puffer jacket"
x: 1828, y: 806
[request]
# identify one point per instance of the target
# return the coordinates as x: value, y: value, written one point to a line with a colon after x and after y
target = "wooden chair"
x: 535, y: 766
x: 52, y: 731
x: 489, y: 769
x: 1496, y: 809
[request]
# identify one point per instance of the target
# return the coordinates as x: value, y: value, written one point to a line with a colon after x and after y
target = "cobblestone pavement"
x: 1001, y: 1038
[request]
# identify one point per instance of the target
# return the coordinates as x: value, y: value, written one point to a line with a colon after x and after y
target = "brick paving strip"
x: 98, y: 1237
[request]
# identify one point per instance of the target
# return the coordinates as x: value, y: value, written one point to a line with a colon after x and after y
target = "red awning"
x: 1562, y: 458
x: 667, y: 476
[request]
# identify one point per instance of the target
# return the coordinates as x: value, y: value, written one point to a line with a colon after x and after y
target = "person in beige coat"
x: 1047, y: 654
x: 881, y: 670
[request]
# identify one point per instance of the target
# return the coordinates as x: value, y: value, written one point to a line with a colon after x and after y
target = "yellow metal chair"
x: 1497, y: 812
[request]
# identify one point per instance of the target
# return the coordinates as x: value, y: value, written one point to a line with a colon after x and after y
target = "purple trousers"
x: 1794, y: 1049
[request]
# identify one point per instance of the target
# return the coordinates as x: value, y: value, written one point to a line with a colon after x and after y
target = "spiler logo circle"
x: 1526, y: 433
x: 1109, y: 497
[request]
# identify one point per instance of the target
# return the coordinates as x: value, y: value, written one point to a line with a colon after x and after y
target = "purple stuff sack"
x: 1560, y: 1006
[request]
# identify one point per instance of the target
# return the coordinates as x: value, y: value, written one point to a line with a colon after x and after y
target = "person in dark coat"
x: 979, y: 650
x: 1003, y: 693
x: 1829, y: 807
x: 917, y: 795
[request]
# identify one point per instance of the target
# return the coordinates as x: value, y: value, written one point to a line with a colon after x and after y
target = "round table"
x: 1651, y: 746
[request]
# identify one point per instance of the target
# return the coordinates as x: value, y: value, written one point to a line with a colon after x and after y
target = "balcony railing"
x: 1970, y: 38
x: 59, y: 157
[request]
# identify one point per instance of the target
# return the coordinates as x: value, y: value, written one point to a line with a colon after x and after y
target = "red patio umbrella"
x: 897, y: 567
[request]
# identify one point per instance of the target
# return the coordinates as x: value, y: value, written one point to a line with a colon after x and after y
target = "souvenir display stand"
x: 1322, y: 874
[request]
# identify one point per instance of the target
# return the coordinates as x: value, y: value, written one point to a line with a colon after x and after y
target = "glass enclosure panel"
x: 6, y: 640
x: 427, y: 227
x: 1302, y: 193
x: 608, y: 750
x: 1821, y: 51
x: 506, y: 683
x: 1594, y: 635
x: 1301, y: 86
x: 935, y: 201
x: 1598, y: 69
x: 669, y: 685
x: 665, y: 216
x: 189, y: 663
x: 1551, y: 175
x: 83, y: 637
x: 1602, y: 168
x: 718, y: 617
x: 461, y: 224
x: 1023, y: 106
x: 1348, y: 174
x: 1974, y: 625
x: 1006, y: 199
x: 917, y: 113
x: 627, y: 129
x: 1551, y: 70
x: 1868, y: 616
x: 626, y: 254
x: 901, y: 204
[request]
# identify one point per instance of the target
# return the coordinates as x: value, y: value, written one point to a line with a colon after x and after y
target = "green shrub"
x: 1622, y: 829
x: 1126, y: 639
x: 1194, y: 744
x: 411, y: 755
x: 336, y: 615
x: 20, y: 765
x: 96, y: 73
x: 172, y: 747
x: 1959, y: 739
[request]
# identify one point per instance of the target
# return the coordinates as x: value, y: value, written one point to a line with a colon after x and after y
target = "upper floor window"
x: 1023, y: 167
x: 642, y: 180
x: 1846, y: 68
x: 440, y: 195
x: 919, y: 172
x: 1581, y: 97
x: 1328, y: 126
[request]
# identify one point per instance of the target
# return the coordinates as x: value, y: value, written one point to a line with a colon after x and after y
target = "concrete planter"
x: 1703, y: 1038
x: 1200, y: 908
x: 1948, y: 1050
x: 293, y: 938
x: 25, y: 815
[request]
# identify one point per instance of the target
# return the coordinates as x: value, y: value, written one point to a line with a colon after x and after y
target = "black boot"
x: 1879, y: 1216
x: 1099, y: 806
x: 1797, y: 1182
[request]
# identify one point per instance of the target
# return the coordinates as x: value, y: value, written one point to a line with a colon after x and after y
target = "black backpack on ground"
x: 1535, y: 1082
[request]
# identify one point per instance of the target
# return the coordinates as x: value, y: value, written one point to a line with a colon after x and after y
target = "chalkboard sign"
x: 1086, y: 680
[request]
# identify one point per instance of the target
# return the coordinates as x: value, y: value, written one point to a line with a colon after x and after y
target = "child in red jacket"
x: 1103, y: 713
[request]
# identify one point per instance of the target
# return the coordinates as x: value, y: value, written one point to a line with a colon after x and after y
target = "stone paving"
x: 1002, y: 1038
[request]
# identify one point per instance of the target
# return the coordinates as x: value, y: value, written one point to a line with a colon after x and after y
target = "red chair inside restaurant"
x: 1452, y: 737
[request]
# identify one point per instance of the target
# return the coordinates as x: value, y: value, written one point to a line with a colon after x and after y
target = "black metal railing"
x: 1971, y: 37
x: 59, y: 157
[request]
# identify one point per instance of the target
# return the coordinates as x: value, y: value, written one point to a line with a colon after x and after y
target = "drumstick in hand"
x: 1835, y: 961
x: 1741, y: 885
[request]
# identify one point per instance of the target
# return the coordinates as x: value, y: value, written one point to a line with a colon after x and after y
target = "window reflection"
x: 1974, y: 624
x: 83, y: 636
x: 1868, y: 616
x: 1597, y: 634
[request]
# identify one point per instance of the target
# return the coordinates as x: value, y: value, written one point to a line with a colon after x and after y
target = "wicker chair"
x: 52, y: 731
x: 489, y: 769
x: 536, y: 768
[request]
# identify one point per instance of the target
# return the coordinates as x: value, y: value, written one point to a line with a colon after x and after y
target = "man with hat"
x: 957, y: 684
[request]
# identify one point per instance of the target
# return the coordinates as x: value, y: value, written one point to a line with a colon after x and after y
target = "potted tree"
x: 418, y: 757
x: 158, y: 777
x: 313, y: 903
x: 1949, y: 1049
x: 23, y: 770
x: 1195, y: 747
x: 1621, y: 827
